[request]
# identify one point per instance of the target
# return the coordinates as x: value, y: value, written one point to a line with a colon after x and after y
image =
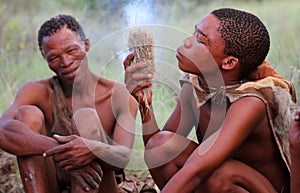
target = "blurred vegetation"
x: 20, y: 21
x: 106, y: 26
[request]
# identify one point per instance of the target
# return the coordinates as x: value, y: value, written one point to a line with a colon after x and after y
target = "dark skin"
x: 294, y: 139
x: 180, y: 165
x: 89, y: 163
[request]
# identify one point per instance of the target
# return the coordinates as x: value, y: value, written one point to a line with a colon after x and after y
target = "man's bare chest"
x: 211, y: 117
x: 103, y: 109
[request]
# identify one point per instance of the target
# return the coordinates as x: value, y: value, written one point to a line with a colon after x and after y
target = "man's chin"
x: 183, y: 68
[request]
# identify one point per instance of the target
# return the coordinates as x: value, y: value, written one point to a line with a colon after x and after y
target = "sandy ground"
x: 10, y: 181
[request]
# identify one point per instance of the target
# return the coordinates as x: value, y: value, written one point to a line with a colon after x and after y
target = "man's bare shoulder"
x: 35, y: 92
x: 41, y: 83
x: 112, y: 86
x: 186, y: 94
x: 35, y: 89
x: 249, y: 108
x: 249, y: 100
x: 109, y: 83
x: 119, y: 95
x: 37, y: 85
x: 116, y: 91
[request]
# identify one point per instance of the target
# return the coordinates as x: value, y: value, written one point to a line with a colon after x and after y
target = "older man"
x: 73, y: 130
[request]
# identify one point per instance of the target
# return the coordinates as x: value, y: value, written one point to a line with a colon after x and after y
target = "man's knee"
x: 31, y: 116
x: 156, y: 148
x: 158, y: 140
x: 220, y: 181
x: 224, y: 178
x: 227, y: 170
x: 165, y: 147
x: 88, y: 116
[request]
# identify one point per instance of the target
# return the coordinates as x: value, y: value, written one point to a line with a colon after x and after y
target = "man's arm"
x: 294, y: 140
x: 135, y: 82
x: 19, y: 139
x: 182, y: 118
x: 219, y: 146
x: 15, y: 136
x: 119, y: 152
x: 185, y: 115
x: 79, y: 151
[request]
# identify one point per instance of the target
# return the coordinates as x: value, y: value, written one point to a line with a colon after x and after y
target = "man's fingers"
x: 60, y: 148
x: 64, y: 163
x: 137, y: 91
x: 64, y: 139
x: 54, y: 150
x: 141, y: 86
x: 133, y: 72
x: 136, y: 67
x: 139, y: 81
x: 142, y: 77
x: 82, y: 183
x: 96, y: 166
x: 136, y: 79
x: 90, y: 180
x: 128, y: 60
x: 95, y: 175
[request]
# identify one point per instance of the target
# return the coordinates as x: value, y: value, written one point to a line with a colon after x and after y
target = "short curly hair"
x: 245, y: 36
x: 54, y: 24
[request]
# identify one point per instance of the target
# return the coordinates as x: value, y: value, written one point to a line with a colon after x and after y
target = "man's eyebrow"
x: 201, y: 32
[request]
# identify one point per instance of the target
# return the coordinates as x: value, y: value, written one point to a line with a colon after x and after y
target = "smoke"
x: 138, y: 12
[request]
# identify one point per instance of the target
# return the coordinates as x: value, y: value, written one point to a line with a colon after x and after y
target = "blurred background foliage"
x: 106, y: 25
x: 20, y: 20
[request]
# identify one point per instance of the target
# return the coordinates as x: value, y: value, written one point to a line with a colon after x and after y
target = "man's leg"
x: 165, y: 154
x: 38, y: 174
x: 89, y: 126
x: 236, y: 177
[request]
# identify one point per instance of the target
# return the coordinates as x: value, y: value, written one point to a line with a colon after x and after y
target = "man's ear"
x: 87, y: 45
x: 229, y: 63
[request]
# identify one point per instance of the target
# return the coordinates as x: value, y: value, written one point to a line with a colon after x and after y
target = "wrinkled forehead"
x: 61, y: 35
x: 61, y: 39
x: 209, y: 25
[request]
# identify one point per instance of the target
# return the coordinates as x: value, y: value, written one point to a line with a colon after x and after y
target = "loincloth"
x: 62, y: 116
x: 277, y: 94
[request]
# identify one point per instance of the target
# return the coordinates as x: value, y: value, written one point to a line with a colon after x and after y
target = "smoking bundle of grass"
x: 141, y: 42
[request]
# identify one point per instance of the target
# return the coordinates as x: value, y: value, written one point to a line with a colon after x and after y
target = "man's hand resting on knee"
x: 88, y: 177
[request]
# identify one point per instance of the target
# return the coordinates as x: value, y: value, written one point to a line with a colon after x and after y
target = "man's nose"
x: 187, y: 42
x: 66, y: 60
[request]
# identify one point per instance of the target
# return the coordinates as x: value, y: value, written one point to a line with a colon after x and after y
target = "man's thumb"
x: 63, y: 139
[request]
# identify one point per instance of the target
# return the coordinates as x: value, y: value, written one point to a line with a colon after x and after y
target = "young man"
x: 230, y: 97
x: 294, y: 140
x: 74, y: 130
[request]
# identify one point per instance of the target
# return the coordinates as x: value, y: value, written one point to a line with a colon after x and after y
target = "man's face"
x: 203, y: 52
x: 64, y: 51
